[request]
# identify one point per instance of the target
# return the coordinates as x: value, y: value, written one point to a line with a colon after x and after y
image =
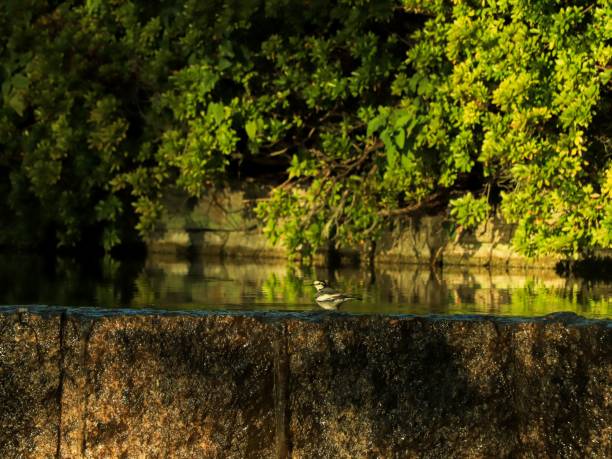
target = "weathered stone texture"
x: 29, y: 385
x: 383, y: 388
x: 378, y: 387
x: 172, y: 387
x: 562, y: 389
x: 330, y: 386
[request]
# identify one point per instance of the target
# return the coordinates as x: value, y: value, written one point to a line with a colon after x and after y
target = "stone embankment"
x: 223, y: 222
x: 84, y: 383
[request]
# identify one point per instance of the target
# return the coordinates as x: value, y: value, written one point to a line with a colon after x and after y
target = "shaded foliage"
x: 364, y: 110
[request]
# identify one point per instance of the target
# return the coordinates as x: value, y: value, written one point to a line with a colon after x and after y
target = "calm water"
x: 249, y: 285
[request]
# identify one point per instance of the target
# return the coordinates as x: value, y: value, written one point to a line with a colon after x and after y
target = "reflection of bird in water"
x: 328, y: 298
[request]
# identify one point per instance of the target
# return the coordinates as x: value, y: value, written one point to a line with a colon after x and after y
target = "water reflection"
x: 248, y: 284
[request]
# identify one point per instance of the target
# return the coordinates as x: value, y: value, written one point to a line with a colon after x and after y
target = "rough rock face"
x: 168, y: 387
x: 377, y: 387
x: 29, y: 385
x: 223, y: 222
x: 77, y: 383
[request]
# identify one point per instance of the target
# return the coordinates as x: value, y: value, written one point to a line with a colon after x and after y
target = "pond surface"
x: 263, y: 285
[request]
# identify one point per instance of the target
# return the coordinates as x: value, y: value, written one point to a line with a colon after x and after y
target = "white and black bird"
x: 328, y: 298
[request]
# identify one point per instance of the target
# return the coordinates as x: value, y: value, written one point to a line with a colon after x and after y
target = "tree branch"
x: 414, y: 208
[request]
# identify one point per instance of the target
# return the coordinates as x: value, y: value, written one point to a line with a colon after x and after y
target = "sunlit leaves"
x: 508, y: 88
x: 368, y: 108
x: 518, y: 87
x: 469, y: 211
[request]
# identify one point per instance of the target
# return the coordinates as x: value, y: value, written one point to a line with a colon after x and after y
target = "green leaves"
x: 362, y: 111
x: 14, y: 91
x: 469, y: 211
x: 251, y: 129
x: 517, y: 90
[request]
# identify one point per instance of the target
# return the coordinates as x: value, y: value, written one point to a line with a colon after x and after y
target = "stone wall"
x: 85, y: 383
x: 224, y: 223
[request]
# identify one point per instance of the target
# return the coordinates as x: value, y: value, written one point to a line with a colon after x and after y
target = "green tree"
x: 495, y: 111
x: 366, y: 111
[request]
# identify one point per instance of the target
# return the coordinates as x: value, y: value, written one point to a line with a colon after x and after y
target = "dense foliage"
x: 364, y: 110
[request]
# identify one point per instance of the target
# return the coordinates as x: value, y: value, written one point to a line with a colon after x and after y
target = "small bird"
x: 328, y: 298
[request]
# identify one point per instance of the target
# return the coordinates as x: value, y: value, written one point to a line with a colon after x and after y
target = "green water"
x: 260, y: 285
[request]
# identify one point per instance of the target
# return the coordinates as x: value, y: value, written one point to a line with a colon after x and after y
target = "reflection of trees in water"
x: 33, y: 279
x: 536, y: 298
x: 217, y: 283
x: 487, y: 291
x: 204, y: 283
x: 409, y: 286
